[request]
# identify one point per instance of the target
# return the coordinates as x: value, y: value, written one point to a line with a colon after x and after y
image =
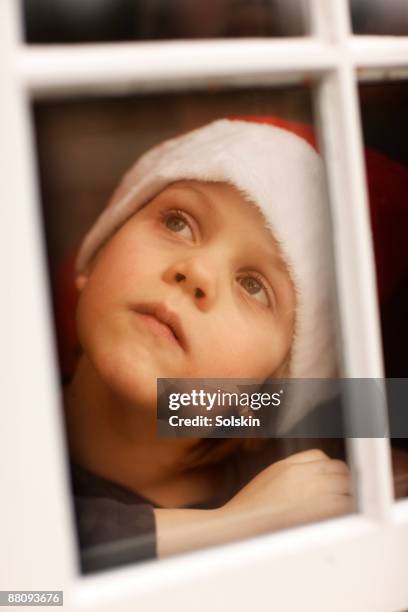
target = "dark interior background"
x: 85, y: 21
x: 379, y: 17
x: 384, y: 112
x: 80, y: 21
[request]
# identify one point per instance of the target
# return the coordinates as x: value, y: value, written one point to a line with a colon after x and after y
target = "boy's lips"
x: 165, y: 321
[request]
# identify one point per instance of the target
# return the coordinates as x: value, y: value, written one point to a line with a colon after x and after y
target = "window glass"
x: 377, y: 17
x: 74, y: 21
x: 385, y: 127
x: 197, y: 244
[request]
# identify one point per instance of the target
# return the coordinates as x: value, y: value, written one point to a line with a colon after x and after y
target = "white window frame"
x: 357, y: 562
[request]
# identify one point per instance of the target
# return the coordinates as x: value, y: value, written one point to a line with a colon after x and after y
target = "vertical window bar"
x: 337, y: 113
x: 34, y: 520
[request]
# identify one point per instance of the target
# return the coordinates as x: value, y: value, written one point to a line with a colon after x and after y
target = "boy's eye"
x: 176, y: 222
x: 255, y: 287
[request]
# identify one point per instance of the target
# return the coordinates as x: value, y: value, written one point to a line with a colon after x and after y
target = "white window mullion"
x: 380, y: 58
x: 112, y: 68
x: 340, y: 565
x: 337, y: 107
x: 35, y: 522
x: 329, y: 21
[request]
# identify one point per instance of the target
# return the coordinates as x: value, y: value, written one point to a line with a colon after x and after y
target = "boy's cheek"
x: 92, y: 315
x: 84, y: 315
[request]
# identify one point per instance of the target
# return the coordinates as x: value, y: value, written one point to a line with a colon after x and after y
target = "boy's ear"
x: 80, y: 281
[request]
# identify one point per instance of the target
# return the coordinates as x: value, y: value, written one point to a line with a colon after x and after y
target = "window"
x: 40, y: 518
x: 84, y: 146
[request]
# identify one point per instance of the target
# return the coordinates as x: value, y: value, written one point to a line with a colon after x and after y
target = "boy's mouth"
x: 162, y: 321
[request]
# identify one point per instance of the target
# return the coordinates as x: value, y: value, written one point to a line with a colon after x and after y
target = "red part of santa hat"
x: 302, y: 130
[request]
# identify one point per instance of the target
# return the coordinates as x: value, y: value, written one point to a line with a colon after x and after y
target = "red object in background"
x: 65, y: 298
x: 388, y: 193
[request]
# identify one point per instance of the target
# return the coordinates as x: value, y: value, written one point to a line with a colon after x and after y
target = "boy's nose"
x: 196, y: 280
x: 198, y: 292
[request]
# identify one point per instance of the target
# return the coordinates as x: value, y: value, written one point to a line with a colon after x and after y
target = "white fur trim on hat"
x: 283, y: 176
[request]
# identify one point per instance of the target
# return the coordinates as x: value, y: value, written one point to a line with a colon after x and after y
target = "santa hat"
x: 275, y: 166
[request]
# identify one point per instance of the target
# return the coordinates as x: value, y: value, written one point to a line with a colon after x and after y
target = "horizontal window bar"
x: 70, y: 70
x: 380, y: 57
x: 381, y: 74
x: 377, y: 51
x: 241, y: 569
x: 56, y: 70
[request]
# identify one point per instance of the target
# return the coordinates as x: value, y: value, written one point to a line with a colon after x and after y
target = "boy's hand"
x: 306, y: 486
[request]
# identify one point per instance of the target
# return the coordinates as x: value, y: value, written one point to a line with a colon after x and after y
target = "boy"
x: 210, y: 261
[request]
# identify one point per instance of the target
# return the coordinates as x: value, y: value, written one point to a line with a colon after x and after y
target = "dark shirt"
x: 116, y: 526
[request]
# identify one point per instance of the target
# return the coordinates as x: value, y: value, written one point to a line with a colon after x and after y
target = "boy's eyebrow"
x: 272, y: 259
x: 191, y: 190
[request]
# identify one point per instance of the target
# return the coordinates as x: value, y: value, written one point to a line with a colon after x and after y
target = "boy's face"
x: 204, y: 253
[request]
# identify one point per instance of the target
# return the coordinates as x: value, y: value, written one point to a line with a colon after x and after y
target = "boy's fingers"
x: 333, y: 466
x: 340, y: 484
x: 314, y: 454
x: 320, y: 461
x: 342, y: 505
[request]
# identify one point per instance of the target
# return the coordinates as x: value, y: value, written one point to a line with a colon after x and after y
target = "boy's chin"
x: 134, y: 383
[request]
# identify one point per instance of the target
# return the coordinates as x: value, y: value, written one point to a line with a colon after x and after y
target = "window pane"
x: 378, y: 17
x: 385, y: 125
x: 202, y: 247
x: 75, y: 21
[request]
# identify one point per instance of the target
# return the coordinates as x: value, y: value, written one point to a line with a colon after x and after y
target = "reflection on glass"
x: 385, y: 126
x: 379, y: 17
x: 68, y: 21
x: 191, y: 282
